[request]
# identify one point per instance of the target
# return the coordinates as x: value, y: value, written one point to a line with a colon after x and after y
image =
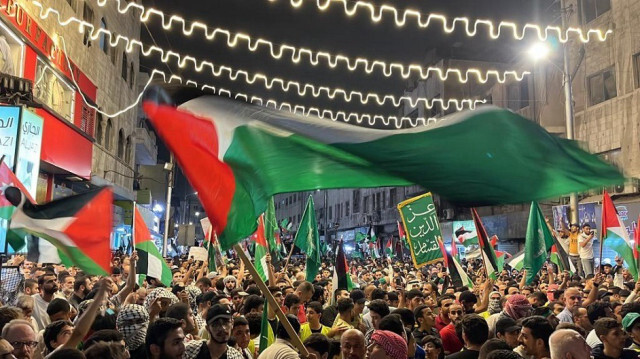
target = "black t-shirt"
x: 206, y: 354
x: 465, y: 354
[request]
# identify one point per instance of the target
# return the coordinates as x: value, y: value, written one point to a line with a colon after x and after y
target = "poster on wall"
x: 11, y: 52
x: 9, y: 123
x: 29, y: 144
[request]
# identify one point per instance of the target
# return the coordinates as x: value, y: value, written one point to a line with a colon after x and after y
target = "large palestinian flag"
x: 458, y: 276
x: 489, y: 258
x: 78, y: 226
x: 256, y: 152
x: 341, y: 277
x: 150, y: 261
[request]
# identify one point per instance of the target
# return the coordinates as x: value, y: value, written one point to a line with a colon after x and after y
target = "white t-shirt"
x: 585, y: 252
x: 592, y: 339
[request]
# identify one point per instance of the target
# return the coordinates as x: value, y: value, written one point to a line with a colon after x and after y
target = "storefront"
x: 49, y: 144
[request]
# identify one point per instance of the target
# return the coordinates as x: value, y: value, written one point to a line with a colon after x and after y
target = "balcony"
x: 146, y: 148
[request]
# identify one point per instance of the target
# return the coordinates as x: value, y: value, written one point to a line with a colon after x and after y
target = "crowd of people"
x: 392, y: 311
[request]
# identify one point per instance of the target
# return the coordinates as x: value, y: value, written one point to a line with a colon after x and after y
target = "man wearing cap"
x: 219, y: 326
x: 282, y: 347
x: 237, y: 296
x: 508, y: 330
x: 631, y: 325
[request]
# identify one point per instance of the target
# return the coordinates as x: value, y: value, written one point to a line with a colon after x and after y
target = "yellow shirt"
x: 340, y: 323
x: 305, y: 331
x: 573, y: 244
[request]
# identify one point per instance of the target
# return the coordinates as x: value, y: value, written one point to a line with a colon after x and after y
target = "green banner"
x: 422, y: 228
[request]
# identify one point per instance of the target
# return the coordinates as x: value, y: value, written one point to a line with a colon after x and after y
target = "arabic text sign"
x: 9, y: 122
x: 421, y: 225
x: 29, y: 143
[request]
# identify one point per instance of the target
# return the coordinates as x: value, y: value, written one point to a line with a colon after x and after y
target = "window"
x: 518, y: 95
x: 286, y: 201
x: 121, y: 143
x: 636, y: 69
x: 393, y: 197
x: 87, y: 16
x: 356, y: 201
x: 87, y: 121
x: 107, y: 135
x: 53, y: 90
x: 298, y: 219
x: 602, y: 86
x: 330, y: 212
x: 346, y: 209
x: 337, y: 211
x: 365, y: 205
x: 99, y: 130
x: 132, y: 76
x: 128, y: 150
x: 378, y: 203
x: 384, y: 199
x: 591, y: 9
x: 125, y: 65
x: 104, y: 46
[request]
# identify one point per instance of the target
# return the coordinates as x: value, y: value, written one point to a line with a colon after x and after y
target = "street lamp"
x: 197, y: 214
x: 541, y: 51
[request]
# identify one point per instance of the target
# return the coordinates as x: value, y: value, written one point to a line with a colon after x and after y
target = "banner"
x: 422, y: 229
x: 29, y: 144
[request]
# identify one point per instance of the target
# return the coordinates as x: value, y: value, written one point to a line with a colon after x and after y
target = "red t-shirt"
x: 450, y: 341
x: 302, y: 315
x: 440, y: 323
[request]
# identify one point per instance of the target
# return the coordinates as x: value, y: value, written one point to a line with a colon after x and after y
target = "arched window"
x: 125, y: 65
x: 99, y: 129
x: 108, y: 134
x: 132, y: 76
x: 128, y: 150
x: 104, y: 46
x: 121, y: 143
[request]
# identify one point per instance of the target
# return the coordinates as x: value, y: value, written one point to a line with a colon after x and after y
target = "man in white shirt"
x: 585, y: 248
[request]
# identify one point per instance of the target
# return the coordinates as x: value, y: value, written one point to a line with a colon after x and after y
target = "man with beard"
x: 80, y: 291
x: 444, y: 302
x: 165, y: 339
x: 48, y: 289
x: 450, y: 341
x: 534, y: 337
x: 219, y: 326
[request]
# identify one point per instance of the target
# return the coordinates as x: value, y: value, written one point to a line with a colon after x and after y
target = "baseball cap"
x: 507, y: 325
x: 239, y: 292
x: 357, y: 296
x: 218, y: 311
x: 629, y: 320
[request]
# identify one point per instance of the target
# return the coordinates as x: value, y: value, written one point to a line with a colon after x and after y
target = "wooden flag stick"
x: 295, y: 339
x: 286, y: 263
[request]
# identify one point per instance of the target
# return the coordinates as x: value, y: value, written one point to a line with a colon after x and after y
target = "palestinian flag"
x: 373, y: 250
x: 615, y: 236
x: 16, y: 238
x: 257, y: 152
x: 150, y: 261
x: 559, y: 256
x: 212, y: 245
x: 261, y: 249
x: 388, y: 248
x: 454, y: 250
x: 78, y: 226
x: 341, y: 277
x: 402, y: 235
x: 458, y: 276
x: 489, y: 257
x: 517, y: 261
x: 466, y: 237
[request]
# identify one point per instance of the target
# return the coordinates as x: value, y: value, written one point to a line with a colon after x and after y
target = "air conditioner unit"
x: 619, y: 188
x: 449, y: 213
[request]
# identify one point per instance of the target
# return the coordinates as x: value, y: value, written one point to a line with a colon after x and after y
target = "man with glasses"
x: 219, y: 326
x: 20, y: 334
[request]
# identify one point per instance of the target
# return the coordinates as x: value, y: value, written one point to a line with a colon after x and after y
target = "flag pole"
x: 286, y: 263
x: 602, y: 232
x: 6, y: 240
x: 484, y: 263
x: 133, y: 228
x: 295, y: 339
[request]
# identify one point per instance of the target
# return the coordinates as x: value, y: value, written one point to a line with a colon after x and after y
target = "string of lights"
x: 347, y: 117
x: 299, y: 54
x: 285, y: 85
x: 470, y: 26
x: 401, y: 17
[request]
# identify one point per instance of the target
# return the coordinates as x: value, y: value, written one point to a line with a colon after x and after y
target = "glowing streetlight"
x: 197, y: 214
x: 539, y: 51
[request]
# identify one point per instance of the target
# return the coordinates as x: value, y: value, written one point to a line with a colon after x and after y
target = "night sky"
x: 334, y: 32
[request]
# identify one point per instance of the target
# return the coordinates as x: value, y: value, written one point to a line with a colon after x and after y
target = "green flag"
x: 538, y: 242
x: 272, y: 230
x: 266, y: 333
x: 308, y: 240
